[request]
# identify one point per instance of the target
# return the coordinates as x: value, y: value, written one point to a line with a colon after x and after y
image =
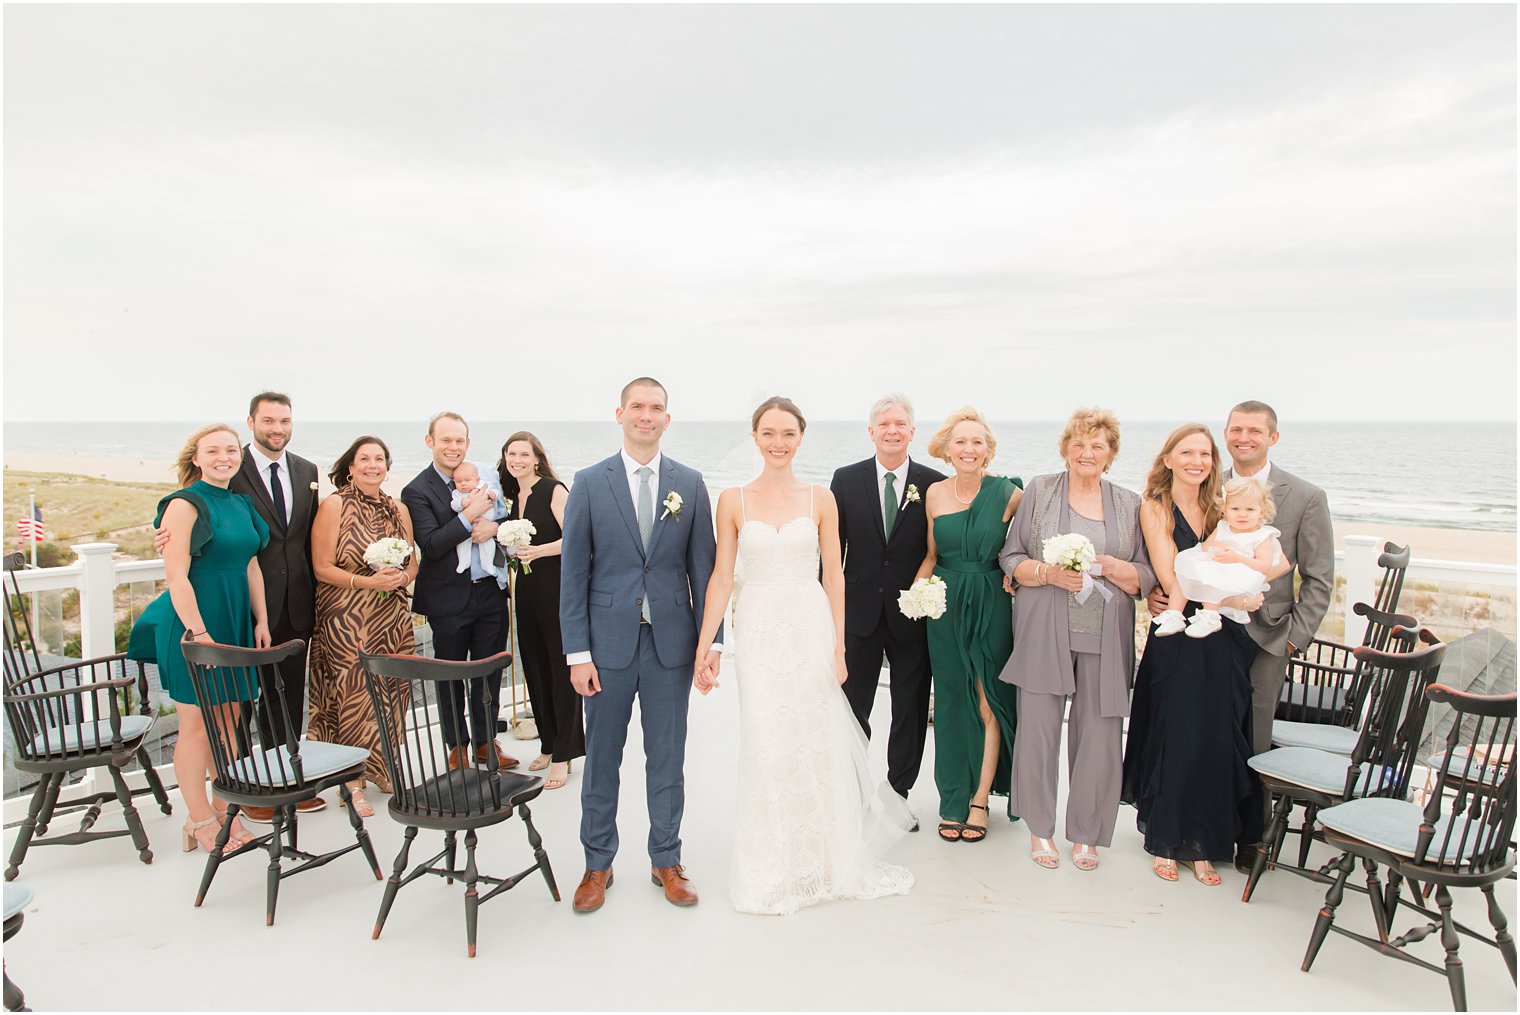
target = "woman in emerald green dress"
x: 970, y: 643
x: 216, y: 592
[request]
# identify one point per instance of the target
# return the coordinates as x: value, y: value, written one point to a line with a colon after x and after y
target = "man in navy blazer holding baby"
x: 637, y: 554
x: 467, y: 610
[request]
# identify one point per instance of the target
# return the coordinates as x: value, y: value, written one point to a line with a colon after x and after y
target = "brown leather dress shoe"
x: 592, y: 891
x: 259, y: 815
x: 1245, y: 858
x: 678, y: 888
x: 316, y: 803
x: 459, y: 757
x: 504, y: 760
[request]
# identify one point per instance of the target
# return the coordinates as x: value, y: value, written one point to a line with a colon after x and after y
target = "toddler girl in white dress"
x: 1238, y: 558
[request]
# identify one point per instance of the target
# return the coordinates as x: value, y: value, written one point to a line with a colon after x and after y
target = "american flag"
x: 31, y: 528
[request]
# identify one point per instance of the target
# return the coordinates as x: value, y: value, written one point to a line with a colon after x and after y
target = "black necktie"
x: 277, y: 491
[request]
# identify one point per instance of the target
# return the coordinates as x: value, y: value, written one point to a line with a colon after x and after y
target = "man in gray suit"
x: 638, y: 551
x: 1286, y: 622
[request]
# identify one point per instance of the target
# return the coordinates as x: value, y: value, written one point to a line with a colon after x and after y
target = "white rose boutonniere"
x: 313, y: 486
x: 673, y: 504
x: 911, y: 497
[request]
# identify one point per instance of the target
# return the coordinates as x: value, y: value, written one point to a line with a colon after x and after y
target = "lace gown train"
x: 811, y: 824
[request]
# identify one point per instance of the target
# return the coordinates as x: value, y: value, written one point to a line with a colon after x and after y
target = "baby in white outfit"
x: 466, y: 481
x: 1238, y: 559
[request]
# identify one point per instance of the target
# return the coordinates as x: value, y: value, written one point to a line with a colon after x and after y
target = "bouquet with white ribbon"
x: 513, y: 535
x: 1074, y: 552
x: 389, y: 552
x: 924, y: 598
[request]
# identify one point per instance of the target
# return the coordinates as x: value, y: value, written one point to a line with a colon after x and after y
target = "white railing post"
x: 1360, y: 569
x: 97, y: 601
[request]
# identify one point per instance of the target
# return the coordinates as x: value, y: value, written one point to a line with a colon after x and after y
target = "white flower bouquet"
x: 1074, y: 552
x: 387, y: 553
x: 924, y: 598
x: 513, y: 535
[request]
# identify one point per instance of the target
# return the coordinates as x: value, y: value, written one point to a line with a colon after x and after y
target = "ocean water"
x: 1443, y: 475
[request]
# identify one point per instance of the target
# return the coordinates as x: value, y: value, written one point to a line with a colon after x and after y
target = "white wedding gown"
x: 811, y: 824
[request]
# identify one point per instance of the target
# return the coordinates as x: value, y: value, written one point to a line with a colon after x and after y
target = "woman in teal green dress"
x: 969, y: 644
x: 216, y: 591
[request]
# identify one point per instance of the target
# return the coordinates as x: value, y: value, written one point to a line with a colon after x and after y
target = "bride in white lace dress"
x: 812, y: 823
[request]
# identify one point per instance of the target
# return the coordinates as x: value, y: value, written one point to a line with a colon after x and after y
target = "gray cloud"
x: 828, y: 200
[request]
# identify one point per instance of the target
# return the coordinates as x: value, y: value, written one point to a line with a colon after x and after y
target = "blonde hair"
x: 1242, y: 484
x: 184, y: 464
x: 1158, y: 485
x: 1086, y: 421
x: 939, y: 444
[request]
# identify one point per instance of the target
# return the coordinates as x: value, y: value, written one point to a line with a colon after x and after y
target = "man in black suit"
x: 467, y: 610
x: 283, y: 488
x: 883, y: 536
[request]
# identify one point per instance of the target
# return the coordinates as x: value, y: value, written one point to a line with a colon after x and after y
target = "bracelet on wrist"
x: 351, y: 579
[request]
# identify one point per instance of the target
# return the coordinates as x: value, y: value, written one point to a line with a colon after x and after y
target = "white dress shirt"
x: 899, y: 486
x: 632, y: 468
x: 262, y: 461
x: 1262, y: 475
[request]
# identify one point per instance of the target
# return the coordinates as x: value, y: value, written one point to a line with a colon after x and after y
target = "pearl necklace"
x: 955, y: 487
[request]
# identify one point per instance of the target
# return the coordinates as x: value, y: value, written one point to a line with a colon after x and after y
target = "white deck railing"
x: 95, y: 575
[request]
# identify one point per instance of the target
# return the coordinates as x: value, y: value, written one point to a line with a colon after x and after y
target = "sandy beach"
x: 1427, y: 543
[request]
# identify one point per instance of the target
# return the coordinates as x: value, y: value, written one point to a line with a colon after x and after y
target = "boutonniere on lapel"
x: 314, y: 486
x: 672, y: 505
x: 911, y: 496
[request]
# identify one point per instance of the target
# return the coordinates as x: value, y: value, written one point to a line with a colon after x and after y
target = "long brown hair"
x: 509, y: 485
x: 184, y: 464
x: 1158, y: 485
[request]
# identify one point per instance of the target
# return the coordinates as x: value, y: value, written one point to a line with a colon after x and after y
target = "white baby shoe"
x: 1203, y: 624
x: 1169, y: 622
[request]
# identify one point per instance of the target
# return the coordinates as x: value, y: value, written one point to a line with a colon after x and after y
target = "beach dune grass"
x: 81, y: 509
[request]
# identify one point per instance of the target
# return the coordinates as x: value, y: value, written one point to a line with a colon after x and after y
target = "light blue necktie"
x: 646, y: 524
x: 646, y: 504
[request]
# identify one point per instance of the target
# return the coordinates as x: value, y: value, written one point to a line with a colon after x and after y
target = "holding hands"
x: 705, y: 672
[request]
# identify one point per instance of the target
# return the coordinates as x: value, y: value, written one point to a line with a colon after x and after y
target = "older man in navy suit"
x: 637, y: 554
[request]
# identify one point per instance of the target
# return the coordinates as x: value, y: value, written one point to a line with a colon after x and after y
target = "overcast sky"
x: 509, y: 211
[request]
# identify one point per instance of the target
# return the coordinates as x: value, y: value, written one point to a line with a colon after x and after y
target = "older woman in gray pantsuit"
x: 1063, y: 648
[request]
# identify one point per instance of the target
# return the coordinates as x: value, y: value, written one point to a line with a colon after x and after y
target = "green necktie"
x: 889, y: 503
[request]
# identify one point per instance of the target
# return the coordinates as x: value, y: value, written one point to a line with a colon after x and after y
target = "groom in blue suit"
x: 637, y: 554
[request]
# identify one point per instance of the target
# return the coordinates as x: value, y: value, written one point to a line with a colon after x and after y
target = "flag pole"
x: 36, y: 617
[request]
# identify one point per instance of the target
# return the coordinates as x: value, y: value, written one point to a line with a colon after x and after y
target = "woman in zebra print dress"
x: 355, y: 605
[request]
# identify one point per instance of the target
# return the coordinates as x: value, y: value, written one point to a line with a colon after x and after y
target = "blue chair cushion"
x: 1394, y: 825
x: 1461, y: 767
x: 1334, y: 739
x: 88, y: 736
x: 1316, y: 770
x: 17, y: 898
x: 273, y: 768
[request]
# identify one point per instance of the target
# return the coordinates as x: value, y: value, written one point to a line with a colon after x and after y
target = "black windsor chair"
x: 17, y: 898
x: 1322, y: 681
x: 1380, y: 765
x: 1461, y: 838
x: 1333, y: 700
x: 427, y: 793
x: 69, y: 718
x: 255, y: 767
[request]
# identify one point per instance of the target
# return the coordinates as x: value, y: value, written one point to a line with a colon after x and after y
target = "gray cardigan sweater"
x: 1041, y: 660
